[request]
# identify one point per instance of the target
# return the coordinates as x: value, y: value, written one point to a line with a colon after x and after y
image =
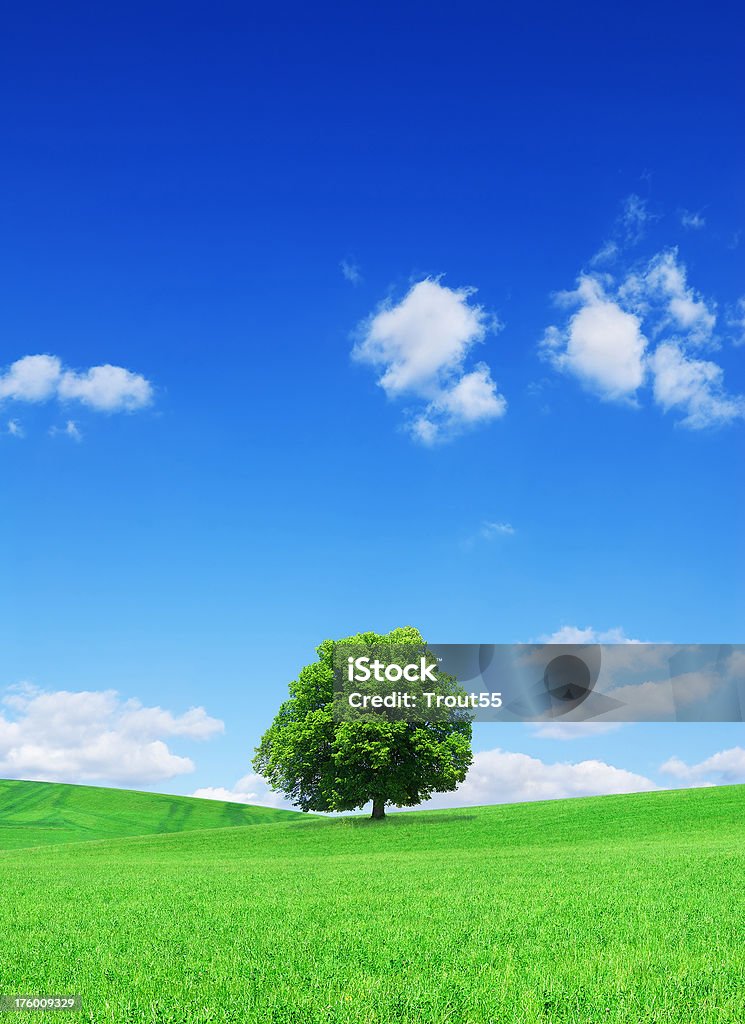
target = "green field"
x: 41, y: 813
x: 627, y: 908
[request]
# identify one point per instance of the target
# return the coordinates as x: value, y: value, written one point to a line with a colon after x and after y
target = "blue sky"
x: 419, y: 317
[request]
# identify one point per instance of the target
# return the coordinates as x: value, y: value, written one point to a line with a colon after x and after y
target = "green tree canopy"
x: 323, y: 763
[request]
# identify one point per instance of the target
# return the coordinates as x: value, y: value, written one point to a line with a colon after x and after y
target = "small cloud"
x: 602, y: 344
x: 491, y: 530
x: 724, y: 768
x: 422, y: 339
x: 634, y: 218
x: 31, y: 379
x: 14, y: 429
x: 471, y: 400
x: 350, y: 272
x: 605, y: 254
x: 106, y: 388
x: 251, y: 789
x: 694, y: 221
x: 536, y: 388
x: 736, y: 321
x: 628, y: 230
x: 70, y: 430
x: 420, y: 346
x: 684, y: 309
x: 573, y: 730
x: 588, y: 635
x: 694, y: 387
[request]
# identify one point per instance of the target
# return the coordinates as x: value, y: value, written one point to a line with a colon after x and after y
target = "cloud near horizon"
x: 588, y: 635
x: 573, y: 730
x: 501, y: 776
x: 94, y: 736
x: 250, y: 789
x: 727, y: 767
x: 495, y: 777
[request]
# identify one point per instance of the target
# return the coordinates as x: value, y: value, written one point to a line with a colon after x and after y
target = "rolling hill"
x: 45, y: 813
x: 621, y: 909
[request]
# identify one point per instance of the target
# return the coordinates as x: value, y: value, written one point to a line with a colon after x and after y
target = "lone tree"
x: 325, y: 763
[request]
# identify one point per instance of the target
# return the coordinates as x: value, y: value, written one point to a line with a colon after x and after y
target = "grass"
x: 612, y: 909
x: 41, y: 813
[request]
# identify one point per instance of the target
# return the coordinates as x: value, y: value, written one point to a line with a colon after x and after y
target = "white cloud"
x: 31, y: 379
x: 724, y: 768
x: 588, y: 635
x: 106, y: 388
x: 419, y: 346
x: 496, y: 776
x: 694, y: 387
x: 251, y: 789
x: 602, y: 345
x: 490, y: 530
x: 425, y: 430
x: 137, y: 720
x: 650, y: 701
x: 350, y: 271
x: 736, y: 320
x: 641, y: 330
x: 628, y: 230
x: 573, y: 730
x: 422, y: 339
x: 14, y: 429
x: 606, y: 253
x: 499, y: 776
x: 93, y: 736
x: 624, y: 656
x: 735, y: 667
x: 692, y: 220
x: 634, y: 218
x: 471, y: 400
x: 657, y: 700
x: 665, y: 280
x: 70, y: 430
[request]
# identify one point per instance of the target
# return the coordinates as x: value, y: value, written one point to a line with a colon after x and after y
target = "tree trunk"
x: 378, y: 810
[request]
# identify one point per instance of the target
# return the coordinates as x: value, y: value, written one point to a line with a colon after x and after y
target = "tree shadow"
x: 398, y: 818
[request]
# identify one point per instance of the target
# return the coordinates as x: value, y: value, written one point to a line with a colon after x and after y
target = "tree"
x: 324, y: 763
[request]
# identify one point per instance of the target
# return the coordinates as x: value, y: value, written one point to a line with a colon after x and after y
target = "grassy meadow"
x: 42, y: 813
x: 608, y: 909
